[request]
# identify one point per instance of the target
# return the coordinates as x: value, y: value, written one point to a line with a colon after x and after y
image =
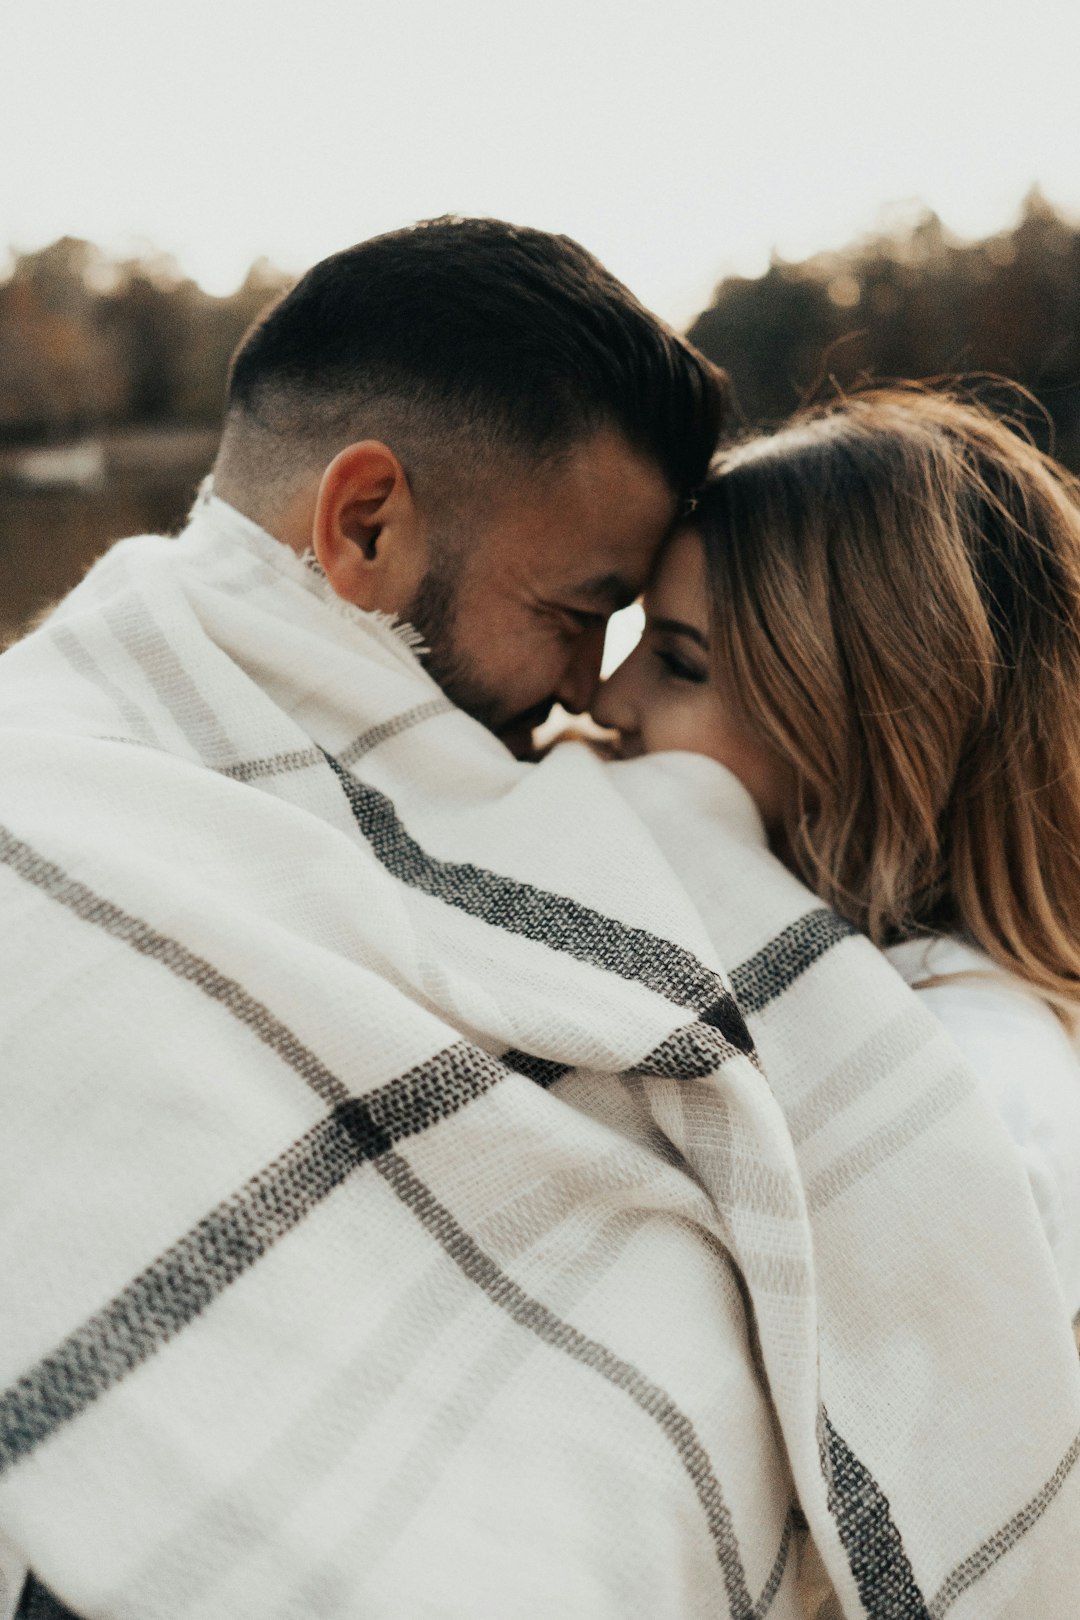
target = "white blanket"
x: 396, y: 1219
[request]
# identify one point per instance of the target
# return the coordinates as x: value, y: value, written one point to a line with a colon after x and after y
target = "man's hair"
x: 463, y: 344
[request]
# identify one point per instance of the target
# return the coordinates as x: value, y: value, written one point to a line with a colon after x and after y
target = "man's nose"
x: 613, y: 705
x: 582, y: 675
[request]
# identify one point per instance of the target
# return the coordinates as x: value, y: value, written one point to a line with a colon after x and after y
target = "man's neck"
x: 292, y: 525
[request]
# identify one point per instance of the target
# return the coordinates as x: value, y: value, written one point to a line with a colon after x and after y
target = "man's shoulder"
x: 58, y: 664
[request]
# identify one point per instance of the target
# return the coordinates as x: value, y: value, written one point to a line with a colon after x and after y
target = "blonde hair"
x: 895, y: 585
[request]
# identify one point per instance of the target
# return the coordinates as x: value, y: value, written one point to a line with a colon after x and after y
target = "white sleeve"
x: 1030, y: 1071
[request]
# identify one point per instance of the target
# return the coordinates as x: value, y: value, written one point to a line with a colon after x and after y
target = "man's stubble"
x: 434, y: 613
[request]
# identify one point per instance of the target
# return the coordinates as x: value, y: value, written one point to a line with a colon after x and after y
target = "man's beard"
x: 433, y: 612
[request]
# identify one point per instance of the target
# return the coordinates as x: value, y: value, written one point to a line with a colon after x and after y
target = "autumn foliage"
x: 916, y: 304
x: 88, y: 343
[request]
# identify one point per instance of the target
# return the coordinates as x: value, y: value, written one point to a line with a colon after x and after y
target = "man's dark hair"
x: 461, y: 342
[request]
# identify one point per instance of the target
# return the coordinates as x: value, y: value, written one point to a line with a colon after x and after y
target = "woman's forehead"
x: 678, y: 588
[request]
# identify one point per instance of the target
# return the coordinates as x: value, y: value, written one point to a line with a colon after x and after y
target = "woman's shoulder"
x: 1027, y: 1065
x: 991, y: 1012
x: 930, y: 955
x: 959, y: 980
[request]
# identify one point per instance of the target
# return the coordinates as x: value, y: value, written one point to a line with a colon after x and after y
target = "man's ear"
x: 367, y: 533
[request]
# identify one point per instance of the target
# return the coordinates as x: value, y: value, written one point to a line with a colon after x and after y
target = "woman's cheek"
x: 682, y: 724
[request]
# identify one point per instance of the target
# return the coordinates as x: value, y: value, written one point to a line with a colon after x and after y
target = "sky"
x: 679, y: 140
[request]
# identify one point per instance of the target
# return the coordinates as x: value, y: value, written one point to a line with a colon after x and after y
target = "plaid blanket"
x: 405, y: 1212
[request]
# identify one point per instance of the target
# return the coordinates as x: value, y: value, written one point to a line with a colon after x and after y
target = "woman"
x: 873, y: 621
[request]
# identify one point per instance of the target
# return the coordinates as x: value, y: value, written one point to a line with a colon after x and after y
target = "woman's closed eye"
x: 679, y: 668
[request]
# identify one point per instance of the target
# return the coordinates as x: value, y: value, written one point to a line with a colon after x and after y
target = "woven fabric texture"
x: 436, y: 1186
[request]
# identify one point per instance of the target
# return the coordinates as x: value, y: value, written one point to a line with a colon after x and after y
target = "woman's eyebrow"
x: 676, y: 627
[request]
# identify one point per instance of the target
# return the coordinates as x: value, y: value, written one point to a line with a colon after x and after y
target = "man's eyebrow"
x: 676, y: 627
x: 609, y: 591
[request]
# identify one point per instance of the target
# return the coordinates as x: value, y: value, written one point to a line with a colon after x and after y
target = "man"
x: 477, y: 429
x: 397, y: 1217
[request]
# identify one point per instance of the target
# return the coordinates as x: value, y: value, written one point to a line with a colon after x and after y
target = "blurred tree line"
x: 88, y: 342
x: 914, y: 304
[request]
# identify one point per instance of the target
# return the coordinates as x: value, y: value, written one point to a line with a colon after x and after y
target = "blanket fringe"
x: 401, y: 629
x: 305, y: 569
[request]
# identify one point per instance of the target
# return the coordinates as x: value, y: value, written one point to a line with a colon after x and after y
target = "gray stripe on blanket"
x: 83, y: 664
x: 880, y: 1145
x: 195, y: 970
x: 130, y: 622
x: 394, y: 727
x: 773, y: 969
x: 178, y: 1286
x: 38, y: 1604
x: 875, y: 1059
x: 348, y: 1403
x: 184, y: 1281
x: 175, y: 1289
x: 776, y: 1575
x: 996, y: 1546
x: 874, y: 1547
x: 554, y: 920
x: 531, y: 1314
x: 302, y: 759
x: 253, y: 770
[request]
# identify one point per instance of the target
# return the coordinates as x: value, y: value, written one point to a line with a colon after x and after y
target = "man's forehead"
x: 602, y: 573
x: 594, y: 527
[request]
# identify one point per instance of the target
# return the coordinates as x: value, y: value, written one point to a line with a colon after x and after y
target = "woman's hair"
x: 895, y: 583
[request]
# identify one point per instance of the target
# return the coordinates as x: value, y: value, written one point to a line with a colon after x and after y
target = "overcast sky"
x: 677, y: 139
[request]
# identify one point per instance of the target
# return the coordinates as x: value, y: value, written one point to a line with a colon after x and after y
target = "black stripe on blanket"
x: 254, y: 770
x: 544, y: 1071
x: 178, y: 1286
x: 874, y: 1548
x: 175, y: 1289
x: 553, y: 920
x: 36, y: 1603
x: 774, y: 969
x: 333, y: 1161
x: 691, y: 1053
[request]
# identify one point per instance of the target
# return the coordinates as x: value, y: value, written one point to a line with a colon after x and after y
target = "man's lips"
x: 517, y: 732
